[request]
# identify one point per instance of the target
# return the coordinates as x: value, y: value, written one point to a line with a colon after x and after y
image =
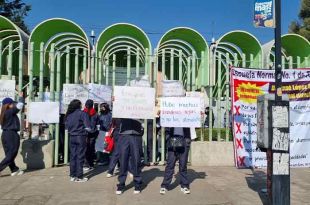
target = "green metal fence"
x: 58, y: 52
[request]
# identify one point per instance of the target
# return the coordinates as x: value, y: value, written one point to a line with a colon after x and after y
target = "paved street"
x: 210, y: 185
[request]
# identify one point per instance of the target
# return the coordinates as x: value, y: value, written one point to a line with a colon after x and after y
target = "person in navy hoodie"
x: 10, y: 125
x: 92, y: 135
x: 78, y: 124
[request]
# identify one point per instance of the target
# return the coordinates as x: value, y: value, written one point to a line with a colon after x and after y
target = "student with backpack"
x: 178, y: 144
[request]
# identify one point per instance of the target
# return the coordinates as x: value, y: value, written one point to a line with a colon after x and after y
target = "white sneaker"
x: 185, y: 190
x: 109, y: 175
x: 86, y: 169
x: 136, y: 192
x: 130, y: 175
x: 17, y: 173
x: 162, y: 191
x: 72, y: 179
x: 119, y: 192
x: 81, y: 180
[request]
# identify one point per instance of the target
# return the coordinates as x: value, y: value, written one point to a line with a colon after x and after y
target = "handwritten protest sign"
x: 198, y: 95
x: 172, y: 88
x: 43, y: 112
x: 7, y: 89
x: 96, y: 92
x: 180, y: 112
x: 134, y: 102
x: 100, y: 93
x: 75, y: 91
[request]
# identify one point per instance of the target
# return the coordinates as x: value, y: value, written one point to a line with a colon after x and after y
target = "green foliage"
x: 15, y: 10
x: 205, y: 132
x: 302, y: 26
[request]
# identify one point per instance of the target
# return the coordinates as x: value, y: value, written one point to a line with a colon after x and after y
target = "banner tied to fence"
x: 247, y: 84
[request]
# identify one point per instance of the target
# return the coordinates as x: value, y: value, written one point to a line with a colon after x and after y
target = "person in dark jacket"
x: 105, y: 124
x: 177, y: 151
x: 10, y: 125
x: 130, y: 146
x: 78, y: 124
x: 92, y: 135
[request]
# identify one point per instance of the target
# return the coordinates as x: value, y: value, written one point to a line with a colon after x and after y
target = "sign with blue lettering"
x: 264, y: 13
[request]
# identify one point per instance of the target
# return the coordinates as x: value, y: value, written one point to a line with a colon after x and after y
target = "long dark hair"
x: 73, y: 106
x: 3, y: 109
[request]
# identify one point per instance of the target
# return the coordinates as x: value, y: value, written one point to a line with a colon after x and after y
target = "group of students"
x: 127, y: 136
x: 84, y: 126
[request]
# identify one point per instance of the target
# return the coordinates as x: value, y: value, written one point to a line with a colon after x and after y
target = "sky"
x: 210, y: 18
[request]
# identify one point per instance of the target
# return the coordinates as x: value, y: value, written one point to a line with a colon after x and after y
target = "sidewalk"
x: 210, y: 185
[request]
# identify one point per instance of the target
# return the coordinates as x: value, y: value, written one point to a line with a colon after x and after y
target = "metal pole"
x: 180, y: 66
x: 84, y: 65
x: 172, y: 64
x: 99, y: 61
x: 20, y: 82
x: 193, y: 86
x: 280, y: 188
x: 113, y: 70
x: 92, y: 67
x: 0, y: 59
x: 30, y: 70
x: 41, y: 95
x: 128, y: 65
x: 163, y: 65
x: 76, y: 66
x: 106, y: 62
x: 10, y: 60
x: 188, y: 74
x: 66, y: 148
x: 219, y: 93
x: 137, y: 63
x: 57, y: 100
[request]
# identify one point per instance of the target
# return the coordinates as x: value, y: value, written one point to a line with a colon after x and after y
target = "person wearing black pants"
x: 10, y: 138
x: 177, y: 152
x: 130, y: 143
x: 78, y: 124
x: 92, y: 135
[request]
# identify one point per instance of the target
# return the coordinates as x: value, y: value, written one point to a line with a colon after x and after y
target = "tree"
x: 15, y: 10
x: 302, y: 26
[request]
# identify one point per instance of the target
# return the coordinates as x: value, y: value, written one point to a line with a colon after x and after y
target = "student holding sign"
x: 10, y: 125
x: 178, y: 144
x: 129, y: 148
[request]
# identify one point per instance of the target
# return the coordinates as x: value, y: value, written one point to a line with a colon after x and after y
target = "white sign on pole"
x: 180, y: 112
x: 134, y: 102
x: 100, y: 93
x: 172, y: 88
x: 75, y: 91
x: 7, y: 89
x: 43, y: 112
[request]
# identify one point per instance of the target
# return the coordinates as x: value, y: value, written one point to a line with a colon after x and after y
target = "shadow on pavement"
x: 258, y: 181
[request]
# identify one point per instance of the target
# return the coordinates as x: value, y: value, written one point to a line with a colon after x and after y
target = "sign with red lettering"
x: 247, y: 84
x: 180, y: 112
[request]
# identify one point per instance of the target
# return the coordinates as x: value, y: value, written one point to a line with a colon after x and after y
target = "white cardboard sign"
x: 75, y: 91
x: 7, y: 89
x: 180, y: 112
x: 172, y: 88
x: 43, y: 112
x: 134, y: 102
x: 100, y: 93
